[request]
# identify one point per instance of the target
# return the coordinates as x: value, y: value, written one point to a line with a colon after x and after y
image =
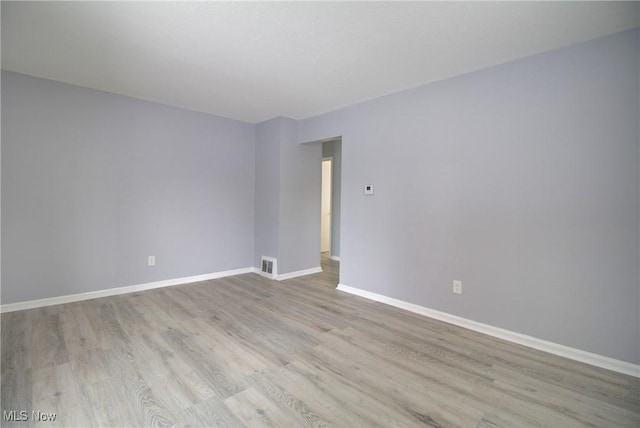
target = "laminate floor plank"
x: 199, y: 357
x: 131, y: 321
x: 518, y: 359
x: 133, y: 391
x: 16, y: 395
x: 254, y: 410
x: 526, y: 388
x: 257, y: 289
x: 235, y: 356
x: 79, y: 335
x: 47, y: 341
x: 420, y: 396
x: 157, y: 318
x: 16, y: 342
x: 528, y: 383
x: 55, y: 393
x: 317, y: 318
x: 288, y: 332
x: 287, y: 382
x: 275, y: 336
x: 249, y: 338
x: 106, y: 326
x: 290, y: 403
x: 171, y: 308
x: 213, y: 413
x: 373, y: 408
x: 97, y: 395
x: 248, y: 351
x: 168, y: 372
x: 191, y: 297
x: 212, y: 294
x: 110, y: 395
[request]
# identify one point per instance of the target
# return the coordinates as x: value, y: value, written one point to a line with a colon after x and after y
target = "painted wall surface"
x: 267, y: 197
x: 334, y: 149
x: 300, y: 182
x: 93, y: 183
x: 288, y: 178
x: 521, y: 180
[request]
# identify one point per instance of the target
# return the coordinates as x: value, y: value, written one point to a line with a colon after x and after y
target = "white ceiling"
x: 255, y: 61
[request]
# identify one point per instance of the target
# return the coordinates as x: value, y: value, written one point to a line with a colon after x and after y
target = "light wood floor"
x: 245, y: 351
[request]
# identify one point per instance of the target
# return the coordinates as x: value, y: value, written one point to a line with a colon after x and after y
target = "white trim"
x: 522, y: 339
x: 336, y: 258
x: 30, y: 304
x: 298, y: 273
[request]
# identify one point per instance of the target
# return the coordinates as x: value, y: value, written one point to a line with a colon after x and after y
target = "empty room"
x: 350, y: 214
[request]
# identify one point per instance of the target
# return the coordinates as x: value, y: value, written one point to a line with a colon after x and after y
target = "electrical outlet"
x: 457, y: 287
x: 151, y: 260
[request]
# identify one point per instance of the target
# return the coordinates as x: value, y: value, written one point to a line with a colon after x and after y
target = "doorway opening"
x: 330, y: 194
x: 325, y: 206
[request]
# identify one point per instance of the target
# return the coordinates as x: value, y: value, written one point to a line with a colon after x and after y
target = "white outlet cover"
x: 151, y: 260
x: 368, y: 189
x: 457, y: 287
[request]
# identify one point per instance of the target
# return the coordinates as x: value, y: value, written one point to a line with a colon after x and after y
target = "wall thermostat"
x: 368, y: 189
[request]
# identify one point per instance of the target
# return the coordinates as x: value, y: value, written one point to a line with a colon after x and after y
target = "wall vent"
x: 269, y: 267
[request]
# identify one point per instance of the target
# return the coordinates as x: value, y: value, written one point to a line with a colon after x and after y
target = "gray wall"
x: 300, y: 184
x: 287, y: 197
x: 93, y: 183
x: 521, y: 180
x: 267, y: 197
x: 334, y: 149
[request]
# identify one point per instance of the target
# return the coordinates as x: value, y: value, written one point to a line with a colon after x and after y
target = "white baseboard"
x: 521, y: 339
x: 282, y: 277
x: 30, y: 304
x: 336, y: 258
